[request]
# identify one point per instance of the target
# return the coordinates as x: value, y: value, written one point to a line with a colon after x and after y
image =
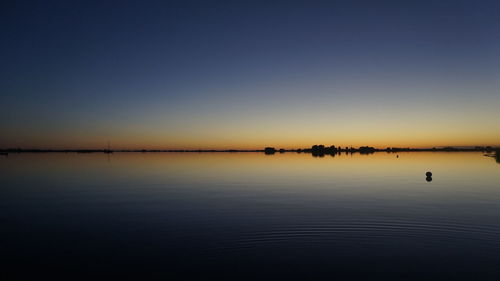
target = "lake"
x: 234, y: 216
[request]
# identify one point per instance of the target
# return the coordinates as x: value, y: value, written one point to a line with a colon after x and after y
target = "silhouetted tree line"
x: 316, y: 150
x: 321, y: 150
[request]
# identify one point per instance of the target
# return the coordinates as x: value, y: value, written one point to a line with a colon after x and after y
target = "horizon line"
x: 251, y: 149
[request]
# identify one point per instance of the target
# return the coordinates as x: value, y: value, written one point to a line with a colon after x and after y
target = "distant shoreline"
x: 320, y: 150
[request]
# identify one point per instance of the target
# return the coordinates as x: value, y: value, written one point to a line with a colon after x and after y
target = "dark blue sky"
x: 195, y: 73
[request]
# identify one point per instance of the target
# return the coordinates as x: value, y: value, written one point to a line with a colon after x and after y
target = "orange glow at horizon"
x: 283, y: 126
x: 247, y: 142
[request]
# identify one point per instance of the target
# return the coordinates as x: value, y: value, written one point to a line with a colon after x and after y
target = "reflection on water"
x: 212, y: 216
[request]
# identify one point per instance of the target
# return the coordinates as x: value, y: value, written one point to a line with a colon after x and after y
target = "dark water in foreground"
x: 241, y: 216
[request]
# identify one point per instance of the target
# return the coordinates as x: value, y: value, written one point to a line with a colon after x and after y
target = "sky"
x: 249, y: 74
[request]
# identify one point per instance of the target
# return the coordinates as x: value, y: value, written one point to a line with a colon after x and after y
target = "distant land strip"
x: 315, y: 150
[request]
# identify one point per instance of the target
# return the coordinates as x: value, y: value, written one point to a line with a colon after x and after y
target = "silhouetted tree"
x: 269, y: 150
x: 318, y: 150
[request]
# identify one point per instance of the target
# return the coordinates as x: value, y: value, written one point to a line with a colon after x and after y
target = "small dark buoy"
x: 429, y: 179
x: 428, y: 174
x: 397, y: 156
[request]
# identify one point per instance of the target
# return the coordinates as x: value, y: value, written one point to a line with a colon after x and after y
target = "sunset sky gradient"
x: 249, y: 74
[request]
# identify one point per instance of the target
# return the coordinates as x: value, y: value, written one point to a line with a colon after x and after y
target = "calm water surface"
x: 233, y: 216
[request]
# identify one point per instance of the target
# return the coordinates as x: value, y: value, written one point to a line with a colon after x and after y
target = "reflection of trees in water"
x: 495, y: 155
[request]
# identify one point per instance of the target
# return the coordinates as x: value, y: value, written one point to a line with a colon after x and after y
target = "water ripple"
x: 428, y: 234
